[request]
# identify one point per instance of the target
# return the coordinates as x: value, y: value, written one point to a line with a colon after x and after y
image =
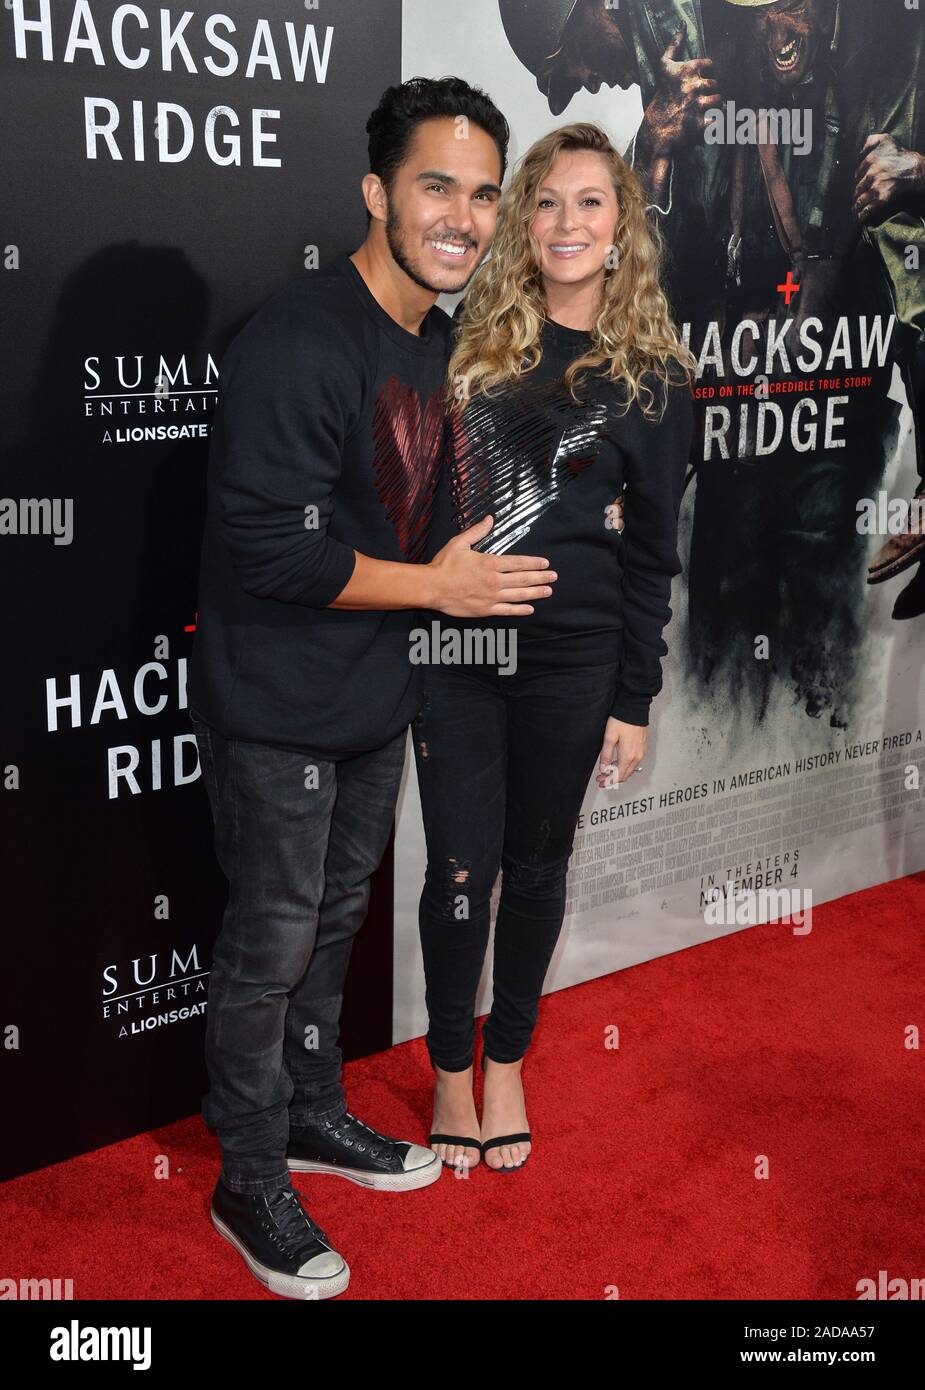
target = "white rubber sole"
x: 382, y: 1182
x: 287, y: 1285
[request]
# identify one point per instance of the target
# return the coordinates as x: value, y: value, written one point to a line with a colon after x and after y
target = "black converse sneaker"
x: 280, y: 1244
x: 351, y: 1149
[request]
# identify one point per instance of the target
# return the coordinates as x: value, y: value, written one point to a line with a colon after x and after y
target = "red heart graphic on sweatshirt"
x: 407, y: 441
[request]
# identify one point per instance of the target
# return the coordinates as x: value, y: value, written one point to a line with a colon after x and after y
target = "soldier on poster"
x: 776, y: 549
x: 660, y: 46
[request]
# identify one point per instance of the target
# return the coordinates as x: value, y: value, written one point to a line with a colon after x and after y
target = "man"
x: 570, y: 45
x: 321, y: 475
x: 847, y: 215
x: 874, y: 206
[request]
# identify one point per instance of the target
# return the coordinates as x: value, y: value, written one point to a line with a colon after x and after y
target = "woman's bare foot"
x: 504, y: 1112
x: 454, y: 1113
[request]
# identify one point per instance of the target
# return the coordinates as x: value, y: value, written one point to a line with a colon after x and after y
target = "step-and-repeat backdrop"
x: 166, y: 168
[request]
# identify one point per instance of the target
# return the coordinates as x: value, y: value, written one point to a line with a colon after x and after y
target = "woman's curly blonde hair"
x: 499, y: 323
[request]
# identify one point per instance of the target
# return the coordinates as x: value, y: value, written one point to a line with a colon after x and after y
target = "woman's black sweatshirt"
x: 548, y: 470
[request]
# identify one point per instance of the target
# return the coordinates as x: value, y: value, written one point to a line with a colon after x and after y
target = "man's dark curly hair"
x: 402, y: 108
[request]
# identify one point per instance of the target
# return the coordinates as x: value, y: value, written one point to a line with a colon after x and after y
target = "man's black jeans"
x: 297, y: 838
x: 503, y: 765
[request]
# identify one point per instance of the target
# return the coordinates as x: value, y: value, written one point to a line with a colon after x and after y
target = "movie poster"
x: 782, y: 148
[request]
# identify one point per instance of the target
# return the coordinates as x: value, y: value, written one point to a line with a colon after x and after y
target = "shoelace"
x: 289, y: 1223
x: 383, y: 1145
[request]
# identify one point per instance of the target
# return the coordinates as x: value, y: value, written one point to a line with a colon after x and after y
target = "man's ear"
x: 375, y: 197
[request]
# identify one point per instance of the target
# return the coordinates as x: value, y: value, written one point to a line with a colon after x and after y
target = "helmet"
x: 535, y: 31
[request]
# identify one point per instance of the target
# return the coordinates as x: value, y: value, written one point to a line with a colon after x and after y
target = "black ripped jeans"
x: 503, y: 764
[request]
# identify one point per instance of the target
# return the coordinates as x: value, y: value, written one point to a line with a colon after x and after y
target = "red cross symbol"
x: 788, y: 288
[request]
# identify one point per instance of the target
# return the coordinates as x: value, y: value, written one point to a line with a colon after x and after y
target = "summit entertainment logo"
x: 179, y: 993
x: 164, y: 395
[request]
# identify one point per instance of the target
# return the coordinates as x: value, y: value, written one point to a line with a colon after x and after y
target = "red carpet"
x: 643, y: 1170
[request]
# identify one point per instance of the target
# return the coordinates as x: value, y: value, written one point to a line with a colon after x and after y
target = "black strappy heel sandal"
x: 502, y: 1139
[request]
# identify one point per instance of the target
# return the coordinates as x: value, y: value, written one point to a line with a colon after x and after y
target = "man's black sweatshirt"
x: 326, y: 440
x: 548, y: 469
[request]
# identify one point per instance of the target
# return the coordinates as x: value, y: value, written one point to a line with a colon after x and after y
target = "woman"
x: 568, y: 380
